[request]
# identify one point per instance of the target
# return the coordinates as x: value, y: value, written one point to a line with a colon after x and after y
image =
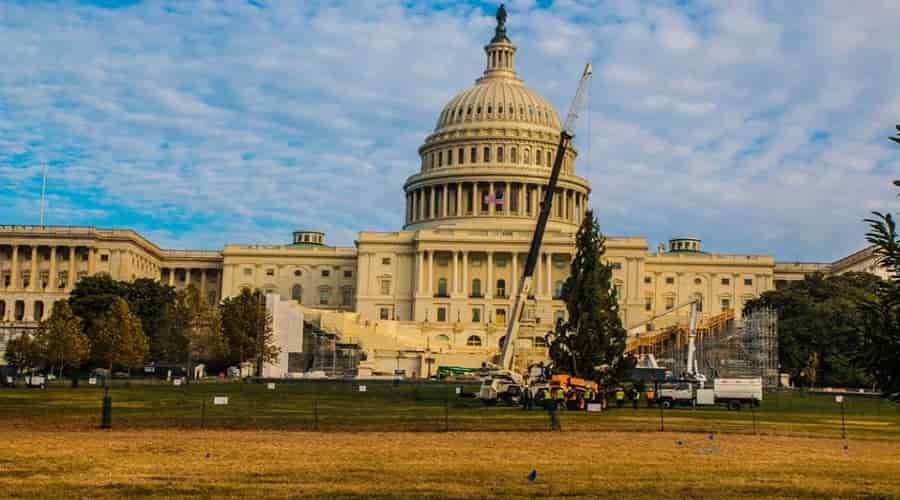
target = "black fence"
x: 385, y: 406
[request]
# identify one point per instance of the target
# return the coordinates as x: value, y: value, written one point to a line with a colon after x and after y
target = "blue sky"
x: 757, y: 126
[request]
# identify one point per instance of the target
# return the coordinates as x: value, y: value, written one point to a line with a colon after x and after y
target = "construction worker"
x: 651, y: 396
x: 526, y: 399
x: 620, y: 397
x: 545, y: 397
x: 587, y: 397
x: 635, y: 397
x: 560, y: 397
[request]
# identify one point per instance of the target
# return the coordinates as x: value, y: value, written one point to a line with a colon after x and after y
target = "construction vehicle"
x: 503, y: 383
x: 647, y: 360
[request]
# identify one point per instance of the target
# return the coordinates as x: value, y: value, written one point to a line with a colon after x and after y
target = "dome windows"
x: 473, y: 155
x: 461, y: 155
x: 487, y: 155
x: 537, y: 157
x: 500, y: 153
x: 513, y: 155
x: 449, y: 157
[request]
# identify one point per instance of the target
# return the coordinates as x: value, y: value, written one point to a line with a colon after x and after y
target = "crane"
x: 691, y: 369
x: 504, y: 382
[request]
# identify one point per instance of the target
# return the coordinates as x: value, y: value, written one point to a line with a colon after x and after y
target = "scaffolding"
x: 725, y: 346
x: 324, y: 352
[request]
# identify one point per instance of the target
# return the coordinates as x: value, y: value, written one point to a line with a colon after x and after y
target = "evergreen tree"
x: 119, y: 339
x: 61, y: 338
x: 590, y: 343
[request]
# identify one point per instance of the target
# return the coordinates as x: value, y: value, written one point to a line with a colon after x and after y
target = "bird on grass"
x: 711, y: 436
x: 532, y: 475
x: 680, y: 443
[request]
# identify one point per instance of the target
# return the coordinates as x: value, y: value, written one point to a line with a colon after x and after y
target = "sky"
x: 758, y: 126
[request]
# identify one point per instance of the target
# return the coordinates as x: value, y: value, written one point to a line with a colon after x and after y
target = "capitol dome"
x: 489, y: 156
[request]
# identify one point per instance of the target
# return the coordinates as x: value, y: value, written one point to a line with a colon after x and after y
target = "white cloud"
x: 215, y: 121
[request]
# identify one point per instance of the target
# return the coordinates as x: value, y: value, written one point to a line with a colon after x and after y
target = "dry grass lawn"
x: 222, y: 464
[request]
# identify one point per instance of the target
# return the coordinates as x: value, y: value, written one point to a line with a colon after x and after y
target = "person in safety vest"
x: 620, y: 397
x: 545, y: 398
x: 560, y: 396
x: 588, y: 397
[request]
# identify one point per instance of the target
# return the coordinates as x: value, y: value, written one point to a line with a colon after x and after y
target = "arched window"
x: 500, y: 316
x: 500, y: 153
x: 526, y: 155
x: 473, y: 341
x: 2, y: 310
x: 473, y: 155
x: 487, y: 155
x: 538, y: 158
x: 440, y: 158
x: 476, y: 287
x: 462, y: 156
x: 501, y: 288
x: 513, y: 155
x: 558, y: 289
x: 297, y: 293
x: 19, y: 311
x: 442, y: 288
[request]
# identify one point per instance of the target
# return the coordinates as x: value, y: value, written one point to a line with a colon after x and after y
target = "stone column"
x: 51, y: 281
x: 444, y: 201
x: 476, y: 200
x: 14, y: 271
x: 507, y: 200
x: 172, y: 277
x: 465, y: 273
x: 514, y: 286
x: 432, y: 209
x: 489, y: 286
x: 420, y: 262
x: 431, y: 273
x: 454, y: 287
x: 540, y: 199
x: 491, y: 206
x: 522, y: 190
x: 550, y: 274
x: 203, y: 284
x: 92, y: 262
x: 70, y: 283
x: 459, y: 209
x: 32, y: 283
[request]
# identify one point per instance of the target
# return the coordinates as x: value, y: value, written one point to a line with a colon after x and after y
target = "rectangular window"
x: 442, y: 314
x: 670, y: 303
x: 348, y: 273
x: 324, y: 297
x: 270, y: 272
x: 248, y: 271
x: 326, y: 273
x: 648, y: 280
x: 104, y: 258
x: 726, y: 304
x: 670, y: 280
x: 346, y: 296
x: 386, y: 261
x: 726, y: 281
x: 648, y: 304
x: 385, y: 287
x: 748, y: 281
x: 476, y: 315
x: 384, y: 313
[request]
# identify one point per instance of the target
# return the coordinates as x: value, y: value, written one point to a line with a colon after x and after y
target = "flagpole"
x: 43, y: 191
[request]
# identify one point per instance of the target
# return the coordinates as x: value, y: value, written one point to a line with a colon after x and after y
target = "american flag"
x: 493, y: 198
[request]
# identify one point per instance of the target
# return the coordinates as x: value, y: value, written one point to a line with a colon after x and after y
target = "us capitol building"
x: 440, y: 288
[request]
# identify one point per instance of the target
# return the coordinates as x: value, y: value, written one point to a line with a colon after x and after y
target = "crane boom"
x: 526, y: 282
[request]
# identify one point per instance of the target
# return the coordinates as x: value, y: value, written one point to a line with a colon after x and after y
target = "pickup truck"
x: 676, y: 393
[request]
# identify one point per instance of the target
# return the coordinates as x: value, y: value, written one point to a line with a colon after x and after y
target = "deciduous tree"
x: 61, y: 339
x: 119, y: 339
x: 247, y: 327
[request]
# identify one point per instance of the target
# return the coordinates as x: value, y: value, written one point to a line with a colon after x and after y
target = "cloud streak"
x: 757, y: 127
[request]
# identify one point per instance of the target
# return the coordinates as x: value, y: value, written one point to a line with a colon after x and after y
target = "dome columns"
x: 490, y: 199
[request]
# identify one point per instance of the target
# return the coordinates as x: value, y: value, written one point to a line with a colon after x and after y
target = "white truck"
x: 732, y: 392
x: 736, y: 392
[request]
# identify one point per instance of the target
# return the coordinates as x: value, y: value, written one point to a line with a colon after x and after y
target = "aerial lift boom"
x: 507, y: 355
